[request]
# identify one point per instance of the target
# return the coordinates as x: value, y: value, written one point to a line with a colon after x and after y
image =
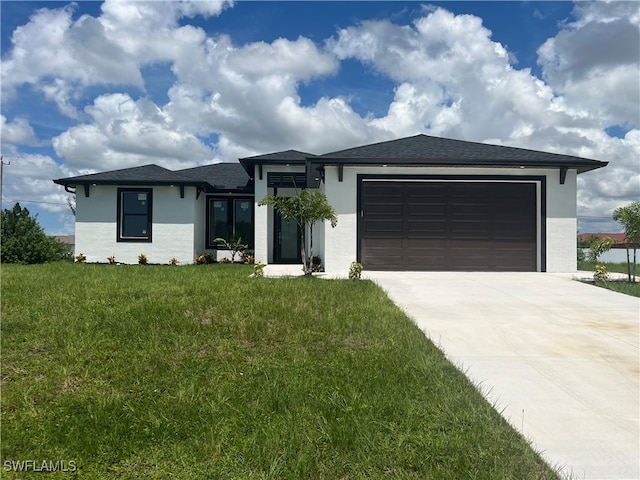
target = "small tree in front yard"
x: 306, y: 209
x: 629, y: 217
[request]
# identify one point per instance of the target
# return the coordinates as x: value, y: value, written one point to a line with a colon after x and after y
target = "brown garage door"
x: 464, y: 226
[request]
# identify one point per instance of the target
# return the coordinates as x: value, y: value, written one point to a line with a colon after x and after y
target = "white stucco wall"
x: 340, y: 244
x: 172, y: 229
x: 562, y: 226
x: 262, y: 243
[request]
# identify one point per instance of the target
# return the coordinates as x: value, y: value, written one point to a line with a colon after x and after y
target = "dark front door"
x: 462, y: 226
x: 287, y: 241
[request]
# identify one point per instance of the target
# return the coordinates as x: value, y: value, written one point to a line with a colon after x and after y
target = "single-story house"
x: 416, y: 203
x: 68, y: 240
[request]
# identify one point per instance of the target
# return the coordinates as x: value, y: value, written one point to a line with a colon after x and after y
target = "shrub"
x: 112, y: 260
x: 258, y: 269
x: 315, y: 264
x: 23, y: 240
x: 80, y: 258
x: 174, y: 261
x: 355, y: 271
x: 142, y: 259
x: 235, y: 246
x: 205, y: 259
x: 600, y: 275
x: 250, y: 259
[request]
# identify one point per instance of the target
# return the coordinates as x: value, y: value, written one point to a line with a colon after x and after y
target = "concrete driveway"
x: 559, y: 358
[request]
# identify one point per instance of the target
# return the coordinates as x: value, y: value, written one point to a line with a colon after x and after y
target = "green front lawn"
x: 611, y: 267
x: 202, y: 372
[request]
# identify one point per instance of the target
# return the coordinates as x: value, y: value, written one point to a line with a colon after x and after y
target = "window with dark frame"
x: 229, y: 218
x: 134, y: 214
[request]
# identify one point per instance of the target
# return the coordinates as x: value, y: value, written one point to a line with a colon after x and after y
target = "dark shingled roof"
x: 435, y: 151
x: 419, y: 150
x: 292, y: 156
x: 143, y: 175
x: 221, y: 176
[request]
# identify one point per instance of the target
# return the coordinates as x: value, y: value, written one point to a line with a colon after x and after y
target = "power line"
x: 34, y: 201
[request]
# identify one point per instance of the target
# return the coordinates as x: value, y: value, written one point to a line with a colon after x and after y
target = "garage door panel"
x: 383, y: 262
x: 378, y: 190
x: 448, y: 226
x: 417, y: 190
x: 383, y: 209
x: 472, y: 225
x: 426, y: 229
x: 464, y: 210
x: 421, y: 245
x: 427, y: 209
x: 385, y: 227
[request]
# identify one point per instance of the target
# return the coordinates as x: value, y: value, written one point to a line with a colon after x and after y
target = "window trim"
x: 120, y: 215
x: 230, y: 218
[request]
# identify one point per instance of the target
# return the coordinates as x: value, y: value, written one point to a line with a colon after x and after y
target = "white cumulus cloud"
x: 124, y: 132
x: 18, y: 132
x: 448, y: 75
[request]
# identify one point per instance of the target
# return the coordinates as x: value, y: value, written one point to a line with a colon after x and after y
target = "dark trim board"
x: 207, y: 209
x: 538, y: 217
x: 120, y: 216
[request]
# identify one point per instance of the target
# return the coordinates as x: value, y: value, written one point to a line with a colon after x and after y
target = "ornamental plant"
x: 142, y: 259
x: 258, y: 269
x: 306, y: 209
x: 235, y: 246
x: 355, y: 271
x: 205, y: 259
x: 600, y: 275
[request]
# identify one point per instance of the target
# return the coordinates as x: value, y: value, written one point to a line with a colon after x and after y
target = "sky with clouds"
x: 95, y: 86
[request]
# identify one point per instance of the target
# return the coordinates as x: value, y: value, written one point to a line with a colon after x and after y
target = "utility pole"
x: 2, y: 164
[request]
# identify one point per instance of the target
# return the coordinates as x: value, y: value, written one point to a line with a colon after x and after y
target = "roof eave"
x: 248, y: 162
x: 70, y: 182
x: 580, y: 166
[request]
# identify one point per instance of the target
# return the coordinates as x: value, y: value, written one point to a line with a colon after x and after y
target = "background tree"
x: 597, y: 246
x: 629, y: 217
x: 306, y: 209
x: 71, y: 205
x: 23, y: 240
